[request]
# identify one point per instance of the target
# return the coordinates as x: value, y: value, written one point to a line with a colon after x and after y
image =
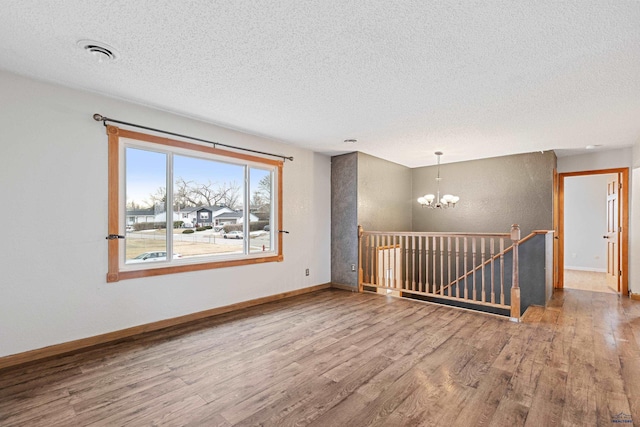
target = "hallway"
x: 587, y: 281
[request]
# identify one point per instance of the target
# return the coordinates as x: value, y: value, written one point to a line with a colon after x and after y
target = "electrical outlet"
x: 306, y: 272
x: 353, y: 267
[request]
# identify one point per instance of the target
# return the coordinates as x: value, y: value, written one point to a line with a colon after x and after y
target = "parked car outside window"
x: 233, y: 235
x: 152, y: 257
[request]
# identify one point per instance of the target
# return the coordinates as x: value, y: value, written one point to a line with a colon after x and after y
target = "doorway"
x: 613, y: 201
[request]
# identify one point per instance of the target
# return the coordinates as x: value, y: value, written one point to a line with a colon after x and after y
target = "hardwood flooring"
x: 334, y: 358
x: 587, y: 281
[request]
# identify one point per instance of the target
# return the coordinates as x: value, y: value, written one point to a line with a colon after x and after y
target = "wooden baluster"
x: 492, y: 250
x: 413, y: 263
x: 427, y: 263
x: 427, y: 257
x: 449, y: 282
x: 388, y: 271
x: 502, y: 270
x: 515, y: 278
x: 466, y: 269
x: 420, y: 264
x: 365, y: 252
x: 482, y: 245
x: 378, y: 266
x: 434, y: 254
x: 397, y: 250
x: 392, y: 261
x: 381, y: 270
x: 457, y: 267
x: 405, y: 242
x: 396, y: 271
x: 390, y: 267
x: 388, y: 261
x: 441, y: 263
x: 474, y: 295
x: 374, y: 261
x: 427, y: 270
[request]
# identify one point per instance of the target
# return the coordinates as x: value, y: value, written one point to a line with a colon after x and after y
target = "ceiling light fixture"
x: 101, y: 51
x: 350, y: 141
x: 593, y: 147
x: 433, y: 201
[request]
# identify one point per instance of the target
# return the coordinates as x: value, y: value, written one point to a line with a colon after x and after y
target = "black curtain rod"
x: 100, y: 118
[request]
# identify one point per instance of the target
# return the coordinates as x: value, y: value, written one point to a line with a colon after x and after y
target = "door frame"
x: 623, y: 206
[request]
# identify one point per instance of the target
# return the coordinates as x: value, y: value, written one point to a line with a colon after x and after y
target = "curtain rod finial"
x: 98, y: 117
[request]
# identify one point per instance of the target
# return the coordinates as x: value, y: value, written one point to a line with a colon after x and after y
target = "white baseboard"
x: 595, y: 270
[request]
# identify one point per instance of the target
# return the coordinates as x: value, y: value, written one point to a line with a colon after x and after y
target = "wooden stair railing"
x: 437, y: 265
x: 495, y: 257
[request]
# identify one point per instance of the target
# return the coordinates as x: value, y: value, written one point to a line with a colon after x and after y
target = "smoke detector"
x: 101, y: 51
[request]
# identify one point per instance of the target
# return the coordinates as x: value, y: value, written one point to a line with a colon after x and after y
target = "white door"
x: 613, y: 234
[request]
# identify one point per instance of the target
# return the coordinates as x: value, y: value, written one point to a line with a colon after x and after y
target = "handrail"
x: 436, y: 234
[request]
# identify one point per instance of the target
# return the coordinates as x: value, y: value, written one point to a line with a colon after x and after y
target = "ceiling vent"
x: 101, y: 51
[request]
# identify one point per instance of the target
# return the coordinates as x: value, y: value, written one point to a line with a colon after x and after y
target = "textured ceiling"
x: 406, y: 78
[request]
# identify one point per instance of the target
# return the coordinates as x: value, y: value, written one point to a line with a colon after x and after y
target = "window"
x: 172, y: 181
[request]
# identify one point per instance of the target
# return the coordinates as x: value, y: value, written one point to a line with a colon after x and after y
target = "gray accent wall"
x: 367, y: 191
x: 384, y: 194
x: 494, y: 193
x: 344, y: 219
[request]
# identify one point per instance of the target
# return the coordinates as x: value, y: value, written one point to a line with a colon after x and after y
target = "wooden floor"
x: 587, y: 281
x: 334, y: 358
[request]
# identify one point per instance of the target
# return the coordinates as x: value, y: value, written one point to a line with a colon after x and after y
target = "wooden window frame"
x: 114, y: 273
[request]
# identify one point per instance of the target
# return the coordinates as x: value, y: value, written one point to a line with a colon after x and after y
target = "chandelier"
x: 434, y: 201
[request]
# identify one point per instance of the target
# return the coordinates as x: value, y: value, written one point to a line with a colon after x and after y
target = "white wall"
x: 620, y: 158
x: 585, y: 216
x: 53, y: 166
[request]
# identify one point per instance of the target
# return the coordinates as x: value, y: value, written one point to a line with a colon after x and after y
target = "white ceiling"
x: 404, y: 77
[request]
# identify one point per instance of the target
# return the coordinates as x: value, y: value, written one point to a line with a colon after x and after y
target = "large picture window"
x: 185, y: 207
